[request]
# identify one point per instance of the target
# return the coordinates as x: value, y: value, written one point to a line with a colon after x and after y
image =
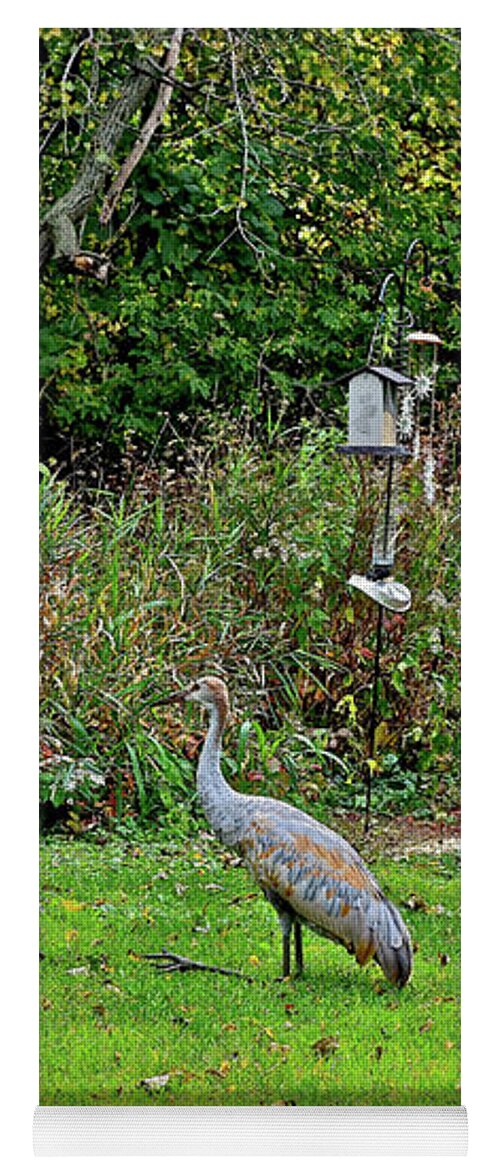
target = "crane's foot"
x: 168, y: 961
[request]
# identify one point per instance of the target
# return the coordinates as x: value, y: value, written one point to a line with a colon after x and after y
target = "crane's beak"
x: 163, y: 700
x: 176, y: 697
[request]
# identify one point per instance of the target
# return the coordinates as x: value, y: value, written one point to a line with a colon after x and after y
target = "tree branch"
x: 58, y: 235
x: 147, y: 131
x: 242, y: 201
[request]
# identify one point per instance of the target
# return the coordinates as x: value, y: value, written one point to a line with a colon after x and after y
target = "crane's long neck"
x: 219, y: 800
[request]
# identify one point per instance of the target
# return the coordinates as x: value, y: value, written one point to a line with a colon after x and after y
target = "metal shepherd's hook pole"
x: 378, y: 650
x: 401, y: 283
x: 373, y: 716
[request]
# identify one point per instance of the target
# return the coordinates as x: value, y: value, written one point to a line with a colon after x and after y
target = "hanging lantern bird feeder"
x: 373, y: 412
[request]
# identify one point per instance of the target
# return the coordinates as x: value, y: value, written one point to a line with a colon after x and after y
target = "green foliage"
x: 241, y: 275
x: 222, y: 1040
x: 238, y: 564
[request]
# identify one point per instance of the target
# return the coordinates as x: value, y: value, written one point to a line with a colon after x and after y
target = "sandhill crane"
x: 308, y: 872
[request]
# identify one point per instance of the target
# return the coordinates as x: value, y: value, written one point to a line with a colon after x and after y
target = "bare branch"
x: 161, y: 104
x: 246, y: 150
x: 64, y: 80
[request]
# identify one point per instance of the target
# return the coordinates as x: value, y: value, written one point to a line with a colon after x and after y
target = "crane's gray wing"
x: 325, y: 882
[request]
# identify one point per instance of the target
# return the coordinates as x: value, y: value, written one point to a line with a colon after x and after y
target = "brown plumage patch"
x: 364, y: 951
x: 220, y: 691
x: 340, y: 869
x: 263, y: 854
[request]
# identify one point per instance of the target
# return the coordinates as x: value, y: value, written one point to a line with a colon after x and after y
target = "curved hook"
x: 391, y: 276
x: 417, y: 242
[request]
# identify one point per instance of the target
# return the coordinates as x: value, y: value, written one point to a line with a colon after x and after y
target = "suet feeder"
x: 373, y: 412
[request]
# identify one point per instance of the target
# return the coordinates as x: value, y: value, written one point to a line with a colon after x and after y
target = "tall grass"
x: 238, y: 564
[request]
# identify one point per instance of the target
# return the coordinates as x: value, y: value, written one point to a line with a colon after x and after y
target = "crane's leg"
x: 286, y: 921
x: 299, y: 954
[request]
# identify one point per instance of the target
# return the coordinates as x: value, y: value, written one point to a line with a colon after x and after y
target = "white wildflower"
x: 429, y: 482
x: 437, y: 598
x: 435, y: 640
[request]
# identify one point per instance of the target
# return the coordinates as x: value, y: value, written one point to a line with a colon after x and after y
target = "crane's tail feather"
x: 394, y: 953
x: 396, y: 962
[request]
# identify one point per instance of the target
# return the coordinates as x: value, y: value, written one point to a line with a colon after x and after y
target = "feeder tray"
x: 418, y: 337
x: 386, y: 591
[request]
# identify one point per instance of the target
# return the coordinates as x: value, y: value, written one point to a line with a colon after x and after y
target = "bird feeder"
x: 391, y: 594
x: 383, y: 416
x: 374, y: 393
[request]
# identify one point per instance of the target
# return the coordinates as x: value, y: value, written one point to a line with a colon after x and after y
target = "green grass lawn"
x: 109, y: 1020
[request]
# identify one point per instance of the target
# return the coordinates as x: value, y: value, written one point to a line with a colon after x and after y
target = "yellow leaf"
x: 71, y: 905
x: 254, y: 960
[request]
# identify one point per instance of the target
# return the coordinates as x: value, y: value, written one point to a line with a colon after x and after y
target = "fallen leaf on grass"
x: 427, y: 1026
x: 159, y: 1080
x: 222, y: 1071
x: 416, y: 903
x: 326, y: 1046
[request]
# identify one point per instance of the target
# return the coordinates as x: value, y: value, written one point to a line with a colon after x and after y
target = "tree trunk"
x: 58, y: 232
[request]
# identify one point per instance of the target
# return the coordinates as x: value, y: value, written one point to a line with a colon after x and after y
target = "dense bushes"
x: 206, y: 520
x: 351, y: 150
x: 239, y: 565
